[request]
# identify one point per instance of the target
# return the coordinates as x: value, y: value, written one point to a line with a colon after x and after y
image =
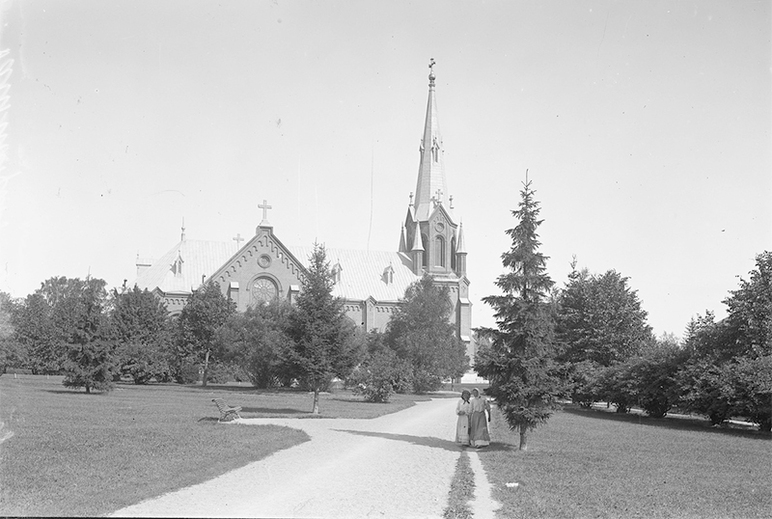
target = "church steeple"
x: 431, y: 189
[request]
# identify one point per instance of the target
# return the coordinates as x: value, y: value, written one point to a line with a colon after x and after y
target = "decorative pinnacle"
x: 431, y: 71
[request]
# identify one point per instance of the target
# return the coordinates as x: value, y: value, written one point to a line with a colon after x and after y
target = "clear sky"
x: 645, y: 127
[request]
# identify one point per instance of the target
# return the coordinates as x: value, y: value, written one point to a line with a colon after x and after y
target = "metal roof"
x: 181, y: 269
x: 363, y: 274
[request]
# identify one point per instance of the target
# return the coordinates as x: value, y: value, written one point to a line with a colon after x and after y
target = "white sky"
x: 645, y: 127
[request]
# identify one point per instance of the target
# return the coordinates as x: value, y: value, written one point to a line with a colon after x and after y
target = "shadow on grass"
x: 272, y: 410
x: 499, y: 447
x: 668, y: 422
x: 79, y: 391
x: 424, y: 441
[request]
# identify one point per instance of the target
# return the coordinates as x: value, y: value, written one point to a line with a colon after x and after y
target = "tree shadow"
x: 669, y: 422
x: 80, y: 391
x: 272, y: 410
x: 499, y: 447
x: 424, y: 441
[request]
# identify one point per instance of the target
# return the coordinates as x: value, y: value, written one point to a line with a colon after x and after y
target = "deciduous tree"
x: 421, y: 334
x: 258, y: 342
x: 142, y: 332
x: 750, y: 311
x: 600, y: 319
x: 206, y: 311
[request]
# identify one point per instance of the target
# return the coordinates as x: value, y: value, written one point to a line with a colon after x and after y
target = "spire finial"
x: 182, y: 235
x: 431, y: 71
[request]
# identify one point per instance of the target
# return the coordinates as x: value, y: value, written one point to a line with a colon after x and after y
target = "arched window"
x: 453, y: 253
x: 439, y: 251
x: 425, y: 241
x: 263, y: 290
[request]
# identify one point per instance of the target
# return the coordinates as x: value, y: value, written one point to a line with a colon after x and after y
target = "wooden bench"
x: 227, y: 413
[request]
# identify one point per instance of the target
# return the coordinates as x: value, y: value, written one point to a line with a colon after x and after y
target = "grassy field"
x: 67, y: 453
x: 589, y: 463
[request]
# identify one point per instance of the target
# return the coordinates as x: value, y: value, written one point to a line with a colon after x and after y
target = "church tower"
x: 431, y: 230
x: 431, y: 236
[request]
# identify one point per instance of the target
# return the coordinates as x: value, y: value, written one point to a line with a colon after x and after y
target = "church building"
x: 371, y: 283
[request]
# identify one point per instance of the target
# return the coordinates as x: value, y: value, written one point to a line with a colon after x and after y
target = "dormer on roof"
x: 388, y: 275
x: 176, y: 266
x: 336, y: 270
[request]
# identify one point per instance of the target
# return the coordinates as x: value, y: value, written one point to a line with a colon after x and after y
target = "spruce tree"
x: 324, y: 341
x: 519, y: 363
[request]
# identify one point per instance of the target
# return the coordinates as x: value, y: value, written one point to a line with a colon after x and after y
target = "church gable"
x: 439, y: 242
x: 262, y: 270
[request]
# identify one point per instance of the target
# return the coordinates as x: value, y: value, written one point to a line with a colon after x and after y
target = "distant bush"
x: 380, y: 377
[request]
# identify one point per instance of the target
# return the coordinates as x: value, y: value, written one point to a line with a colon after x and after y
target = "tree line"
x: 95, y: 337
x: 589, y: 341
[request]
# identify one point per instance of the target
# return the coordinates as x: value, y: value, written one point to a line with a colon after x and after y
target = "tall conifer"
x: 324, y: 342
x: 519, y: 361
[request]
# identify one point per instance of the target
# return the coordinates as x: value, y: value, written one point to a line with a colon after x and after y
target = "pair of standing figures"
x: 474, y: 412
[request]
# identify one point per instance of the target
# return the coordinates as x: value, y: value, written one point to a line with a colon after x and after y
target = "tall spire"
x: 431, y: 189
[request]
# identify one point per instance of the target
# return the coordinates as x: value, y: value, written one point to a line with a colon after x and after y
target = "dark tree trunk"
x: 206, y: 368
x: 316, y: 401
x: 523, y: 439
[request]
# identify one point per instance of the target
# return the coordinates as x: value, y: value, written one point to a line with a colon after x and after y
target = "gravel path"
x: 397, y: 466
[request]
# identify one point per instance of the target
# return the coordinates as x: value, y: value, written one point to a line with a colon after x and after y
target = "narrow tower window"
x: 439, y: 251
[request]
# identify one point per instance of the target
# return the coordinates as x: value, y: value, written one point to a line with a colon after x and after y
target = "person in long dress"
x: 463, y: 410
x: 478, y: 420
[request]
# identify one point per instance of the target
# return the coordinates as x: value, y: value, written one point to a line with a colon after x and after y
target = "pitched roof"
x: 181, y: 269
x: 362, y: 273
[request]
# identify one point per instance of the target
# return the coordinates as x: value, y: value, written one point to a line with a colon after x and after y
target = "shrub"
x: 706, y: 389
x: 584, y: 383
x: 615, y: 386
x: 380, y: 377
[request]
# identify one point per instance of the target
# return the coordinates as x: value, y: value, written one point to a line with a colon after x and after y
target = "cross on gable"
x: 238, y: 239
x: 439, y: 196
x: 264, y: 223
x: 264, y: 206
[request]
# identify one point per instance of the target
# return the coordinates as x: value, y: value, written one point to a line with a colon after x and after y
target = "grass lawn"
x: 72, y: 454
x: 589, y: 463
